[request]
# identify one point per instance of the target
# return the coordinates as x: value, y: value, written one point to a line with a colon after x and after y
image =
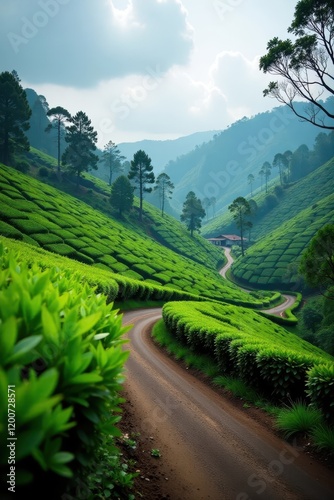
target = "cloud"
x: 81, y: 42
x: 241, y: 82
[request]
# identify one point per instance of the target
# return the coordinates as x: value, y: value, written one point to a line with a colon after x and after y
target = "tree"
x: 288, y: 156
x: 111, y: 158
x: 213, y: 201
x: 206, y: 203
x: 192, y: 213
x: 240, y: 210
x: 251, y: 180
x: 121, y: 196
x: 15, y: 113
x: 59, y: 116
x: 81, y: 138
x: 165, y: 187
x: 305, y: 65
x: 141, y: 171
x: 317, y: 263
x: 266, y: 169
x: 281, y: 163
x: 261, y: 174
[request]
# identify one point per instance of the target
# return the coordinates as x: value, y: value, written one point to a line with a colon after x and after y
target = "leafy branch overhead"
x: 306, y: 65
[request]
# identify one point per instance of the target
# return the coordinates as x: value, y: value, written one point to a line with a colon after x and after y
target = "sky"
x: 145, y: 69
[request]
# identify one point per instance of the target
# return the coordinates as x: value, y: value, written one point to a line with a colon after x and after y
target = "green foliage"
x: 299, y: 418
x: 121, y: 197
x: 323, y: 437
x: 192, y: 212
x: 60, y: 347
x: 320, y: 388
x: 287, y: 244
x: 14, y: 116
x: 246, y: 345
x: 141, y: 172
x: 74, y: 229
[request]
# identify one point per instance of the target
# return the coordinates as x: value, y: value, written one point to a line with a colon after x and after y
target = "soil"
x: 153, y: 480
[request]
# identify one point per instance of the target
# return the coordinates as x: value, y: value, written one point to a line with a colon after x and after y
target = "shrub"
x: 298, y: 419
x: 60, y: 347
x: 43, y: 172
x: 320, y: 388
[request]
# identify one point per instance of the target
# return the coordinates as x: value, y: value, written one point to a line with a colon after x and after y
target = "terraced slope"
x: 305, y: 193
x: 266, y: 263
x: 43, y: 216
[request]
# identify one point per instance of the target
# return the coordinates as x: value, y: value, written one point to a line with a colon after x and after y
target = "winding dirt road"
x: 210, y: 449
x: 277, y: 310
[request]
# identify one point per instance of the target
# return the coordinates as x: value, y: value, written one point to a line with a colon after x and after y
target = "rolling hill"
x: 47, y: 218
x: 220, y: 167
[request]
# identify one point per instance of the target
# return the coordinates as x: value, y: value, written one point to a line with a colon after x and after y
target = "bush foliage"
x: 61, y: 352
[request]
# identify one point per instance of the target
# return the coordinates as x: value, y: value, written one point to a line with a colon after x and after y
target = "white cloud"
x: 81, y: 42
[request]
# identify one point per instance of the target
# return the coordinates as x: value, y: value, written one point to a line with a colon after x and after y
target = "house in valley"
x: 227, y: 240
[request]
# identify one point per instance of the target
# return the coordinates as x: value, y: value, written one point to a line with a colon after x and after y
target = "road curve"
x: 277, y: 310
x: 210, y: 450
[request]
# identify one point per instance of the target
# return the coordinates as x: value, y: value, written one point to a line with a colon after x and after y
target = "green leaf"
x: 50, y: 329
x: 86, y: 324
x: 8, y: 335
x: 100, y: 336
x: 28, y: 441
x: 23, y: 347
x: 85, y: 378
x: 62, y: 457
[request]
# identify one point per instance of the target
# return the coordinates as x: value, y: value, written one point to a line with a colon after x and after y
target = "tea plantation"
x: 244, y: 344
x: 266, y: 262
x: 43, y: 216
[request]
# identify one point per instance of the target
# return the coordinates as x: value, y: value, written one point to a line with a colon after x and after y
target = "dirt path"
x: 277, y: 310
x: 210, y: 449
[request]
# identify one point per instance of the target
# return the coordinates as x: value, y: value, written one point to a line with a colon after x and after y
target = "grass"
x: 299, y: 418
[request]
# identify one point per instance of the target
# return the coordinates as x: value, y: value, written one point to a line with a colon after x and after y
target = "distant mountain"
x: 220, y: 168
x: 38, y: 138
x: 162, y: 152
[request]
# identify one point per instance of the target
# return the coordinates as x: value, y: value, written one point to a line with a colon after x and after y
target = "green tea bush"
x: 245, y: 344
x: 320, y: 388
x: 61, y: 355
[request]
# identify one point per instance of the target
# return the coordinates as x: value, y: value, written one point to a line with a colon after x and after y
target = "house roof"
x: 230, y: 237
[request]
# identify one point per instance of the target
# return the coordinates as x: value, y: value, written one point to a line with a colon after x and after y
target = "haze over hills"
x: 220, y: 168
x: 162, y: 152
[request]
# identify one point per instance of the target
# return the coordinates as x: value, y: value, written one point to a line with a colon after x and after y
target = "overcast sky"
x: 145, y: 69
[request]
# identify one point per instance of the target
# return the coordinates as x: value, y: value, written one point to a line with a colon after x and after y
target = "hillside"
x: 273, y: 261
x: 220, y: 168
x: 55, y: 221
x: 161, y: 152
x: 292, y: 200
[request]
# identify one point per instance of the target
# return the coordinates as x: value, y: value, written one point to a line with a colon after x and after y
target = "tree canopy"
x: 81, y: 138
x: 317, y: 263
x: 121, y: 196
x: 59, y: 116
x: 241, y: 210
x: 141, y: 172
x: 15, y: 113
x: 192, y: 212
x: 306, y: 65
x: 111, y: 159
x: 165, y: 187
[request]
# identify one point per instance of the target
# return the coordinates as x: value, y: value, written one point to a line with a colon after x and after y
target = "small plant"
x: 298, y: 418
x: 323, y: 437
x: 155, y: 453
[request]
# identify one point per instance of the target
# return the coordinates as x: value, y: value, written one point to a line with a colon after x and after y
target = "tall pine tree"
x: 141, y: 172
x: 15, y: 113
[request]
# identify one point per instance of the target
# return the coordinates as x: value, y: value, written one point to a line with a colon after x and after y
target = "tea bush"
x: 61, y: 357
x: 245, y: 344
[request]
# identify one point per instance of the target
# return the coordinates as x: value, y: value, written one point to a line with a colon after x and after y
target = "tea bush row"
x: 71, y: 228
x: 286, y: 244
x: 61, y: 356
x: 244, y: 344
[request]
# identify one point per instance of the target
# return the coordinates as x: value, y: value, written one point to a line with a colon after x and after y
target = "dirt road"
x: 277, y: 310
x: 210, y: 449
